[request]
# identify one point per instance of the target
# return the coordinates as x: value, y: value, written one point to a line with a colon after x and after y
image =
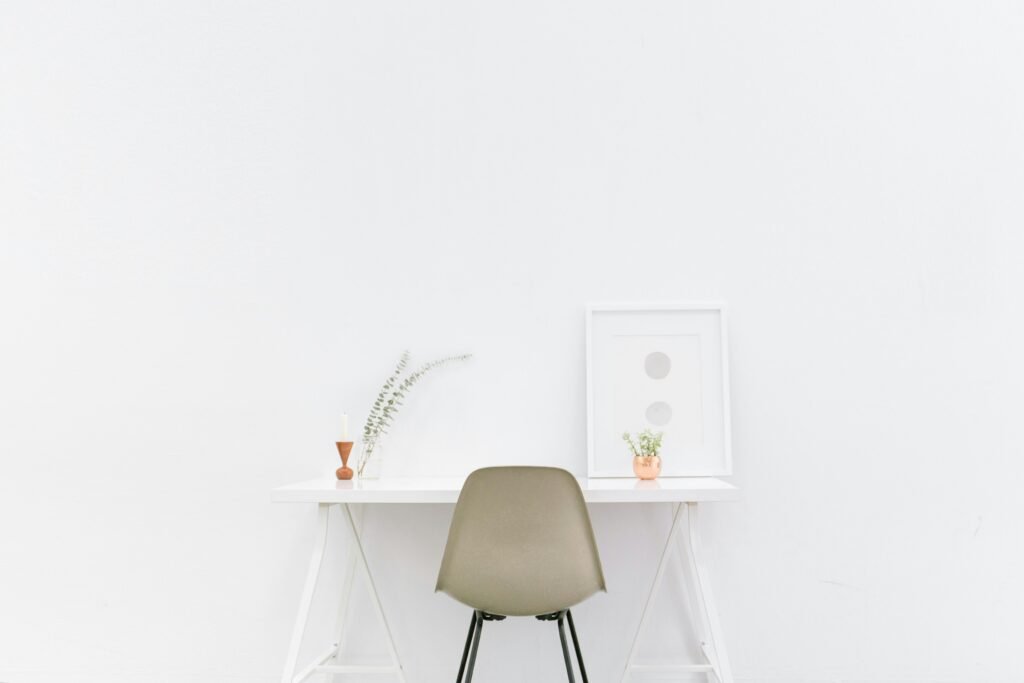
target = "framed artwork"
x: 662, y: 367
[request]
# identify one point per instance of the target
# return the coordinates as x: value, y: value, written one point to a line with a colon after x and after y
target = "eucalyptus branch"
x: 390, y: 399
x: 378, y: 405
x: 392, y: 403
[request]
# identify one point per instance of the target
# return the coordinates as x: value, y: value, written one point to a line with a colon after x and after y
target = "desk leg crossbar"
x: 701, y: 602
x: 357, y: 558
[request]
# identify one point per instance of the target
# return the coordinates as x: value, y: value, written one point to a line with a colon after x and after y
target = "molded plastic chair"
x: 520, y: 544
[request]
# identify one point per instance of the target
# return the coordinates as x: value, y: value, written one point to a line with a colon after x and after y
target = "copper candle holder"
x: 344, y: 450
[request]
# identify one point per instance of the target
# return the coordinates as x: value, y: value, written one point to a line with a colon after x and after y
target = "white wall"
x: 221, y: 223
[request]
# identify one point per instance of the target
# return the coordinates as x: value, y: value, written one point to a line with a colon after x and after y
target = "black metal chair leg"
x: 576, y: 644
x: 565, y: 647
x: 465, y: 650
x: 476, y: 644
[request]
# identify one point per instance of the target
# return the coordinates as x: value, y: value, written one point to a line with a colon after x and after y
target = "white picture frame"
x: 663, y: 366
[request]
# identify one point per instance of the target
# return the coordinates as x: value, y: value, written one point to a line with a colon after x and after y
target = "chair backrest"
x: 521, y: 543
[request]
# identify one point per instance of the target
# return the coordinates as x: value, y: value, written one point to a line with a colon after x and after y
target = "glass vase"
x: 371, y: 458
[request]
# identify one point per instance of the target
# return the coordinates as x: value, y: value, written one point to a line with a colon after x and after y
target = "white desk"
x: 683, y: 495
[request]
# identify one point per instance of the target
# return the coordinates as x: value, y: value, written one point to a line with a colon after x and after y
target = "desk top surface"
x: 446, y: 490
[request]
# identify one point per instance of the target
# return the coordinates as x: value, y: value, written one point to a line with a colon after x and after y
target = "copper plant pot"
x: 344, y: 450
x: 647, y: 466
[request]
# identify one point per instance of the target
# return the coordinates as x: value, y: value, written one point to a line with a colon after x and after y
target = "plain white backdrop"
x: 223, y: 221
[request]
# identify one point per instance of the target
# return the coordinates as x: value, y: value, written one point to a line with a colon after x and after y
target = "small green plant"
x: 645, y: 444
x: 382, y: 414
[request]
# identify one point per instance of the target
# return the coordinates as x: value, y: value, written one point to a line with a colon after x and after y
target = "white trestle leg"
x: 312, y: 574
x: 356, y: 558
x: 705, y: 617
x: 704, y: 598
x: 348, y: 578
x: 361, y: 558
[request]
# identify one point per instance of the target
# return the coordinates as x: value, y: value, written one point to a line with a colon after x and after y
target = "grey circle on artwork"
x: 659, y: 413
x: 657, y: 365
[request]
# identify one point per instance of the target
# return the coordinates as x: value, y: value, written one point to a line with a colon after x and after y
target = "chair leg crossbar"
x: 476, y: 624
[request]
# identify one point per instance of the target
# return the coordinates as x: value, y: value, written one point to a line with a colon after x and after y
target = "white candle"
x: 344, y: 427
